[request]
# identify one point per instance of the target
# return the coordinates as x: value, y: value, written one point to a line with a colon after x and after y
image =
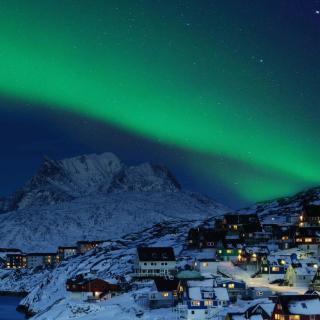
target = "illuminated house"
x: 310, y: 215
x: 274, y: 267
x: 206, y: 265
x: 235, y: 288
x: 203, y: 301
x: 84, y: 289
x: 251, y: 257
x: 41, y: 259
x: 204, y: 238
x: 153, y: 262
x: 228, y: 253
x: 84, y: 246
x: 16, y: 261
x: 164, y: 293
x: 239, y: 222
x: 296, y: 307
x: 66, y: 252
x: 308, y: 239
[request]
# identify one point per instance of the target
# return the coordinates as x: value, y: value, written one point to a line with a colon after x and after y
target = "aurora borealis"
x: 232, y: 85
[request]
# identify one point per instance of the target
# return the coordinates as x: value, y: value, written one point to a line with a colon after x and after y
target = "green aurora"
x: 211, y: 88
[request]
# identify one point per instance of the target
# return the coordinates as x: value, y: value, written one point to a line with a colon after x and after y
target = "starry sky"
x: 226, y: 93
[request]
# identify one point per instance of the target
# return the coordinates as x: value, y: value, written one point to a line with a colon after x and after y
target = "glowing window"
x: 195, y: 303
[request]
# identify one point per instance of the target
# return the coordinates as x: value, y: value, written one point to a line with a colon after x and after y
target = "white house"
x: 205, y: 266
x: 153, y: 262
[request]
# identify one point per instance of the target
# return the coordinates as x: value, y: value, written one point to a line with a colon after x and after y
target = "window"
x: 277, y: 316
x: 208, y: 303
x: 308, y: 239
x: 192, y: 312
x: 294, y: 317
x: 229, y: 251
x: 275, y: 269
x: 265, y: 269
x: 231, y: 286
x: 195, y: 303
x: 205, y: 264
x: 165, y: 294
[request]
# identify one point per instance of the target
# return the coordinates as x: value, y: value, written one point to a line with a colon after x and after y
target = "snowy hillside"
x: 96, y: 198
x: 48, y: 297
x: 285, y: 207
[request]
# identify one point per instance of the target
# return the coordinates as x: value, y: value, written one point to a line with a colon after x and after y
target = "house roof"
x: 189, y: 274
x: 308, y: 304
x: 156, y: 254
x: 166, y: 285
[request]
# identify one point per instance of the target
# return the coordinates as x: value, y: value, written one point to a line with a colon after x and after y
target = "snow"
x: 195, y: 293
x: 306, y: 307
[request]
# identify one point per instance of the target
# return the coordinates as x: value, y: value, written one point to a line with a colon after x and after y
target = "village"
x: 241, y: 268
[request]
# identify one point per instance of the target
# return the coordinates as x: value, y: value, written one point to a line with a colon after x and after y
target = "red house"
x: 297, y: 307
x: 81, y: 288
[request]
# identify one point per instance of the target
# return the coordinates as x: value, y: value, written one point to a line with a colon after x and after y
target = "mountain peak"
x: 65, y: 180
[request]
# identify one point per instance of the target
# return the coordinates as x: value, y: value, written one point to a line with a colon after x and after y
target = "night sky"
x: 226, y: 93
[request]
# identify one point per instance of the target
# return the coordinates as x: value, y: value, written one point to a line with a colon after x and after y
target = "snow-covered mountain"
x: 95, y: 197
x: 65, y: 180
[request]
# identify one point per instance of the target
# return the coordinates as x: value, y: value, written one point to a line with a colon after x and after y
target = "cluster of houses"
x: 16, y: 259
x: 205, y: 286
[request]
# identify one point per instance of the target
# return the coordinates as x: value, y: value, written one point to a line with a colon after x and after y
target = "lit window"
x: 195, y: 303
x: 308, y: 239
x: 275, y: 269
x: 208, y: 302
x: 205, y: 264
x: 229, y: 251
x: 165, y: 294
x: 220, y: 251
x: 294, y: 317
x: 265, y: 269
x: 231, y: 286
x: 277, y: 316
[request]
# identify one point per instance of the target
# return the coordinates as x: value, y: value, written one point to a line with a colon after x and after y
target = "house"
x: 258, y: 292
x: 91, y: 289
x: 261, y: 310
x: 41, y: 259
x: 251, y: 257
x: 153, y: 262
x: 310, y: 215
x: 16, y: 261
x: 235, y: 288
x: 84, y: 246
x: 299, y: 275
x: 164, y: 293
x: 274, y: 266
x: 202, y: 300
x: 236, y: 222
x: 206, y: 265
x: 296, y: 307
x: 200, y: 238
x: 308, y: 239
x: 66, y: 252
x: 228, y: 253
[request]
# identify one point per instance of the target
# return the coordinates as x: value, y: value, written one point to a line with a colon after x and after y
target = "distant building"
x: 228, y: 253
x: 296, y: 307
x: 153, y: 262
x: 66, y: 252
x: 85, y: 246
x: 310, y: 215
x: 16, y: 261
x: 259, y: 292
x: 308, y: 239
x: 41, y: 259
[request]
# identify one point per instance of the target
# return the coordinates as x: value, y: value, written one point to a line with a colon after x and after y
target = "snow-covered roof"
x: 221, y: 294
x: 307, y: 307
x: 201, y: 283
x: 195, y: 293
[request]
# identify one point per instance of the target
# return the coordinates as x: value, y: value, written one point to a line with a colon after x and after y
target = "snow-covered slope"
x: 285, y: 207
x: 95, y: 197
